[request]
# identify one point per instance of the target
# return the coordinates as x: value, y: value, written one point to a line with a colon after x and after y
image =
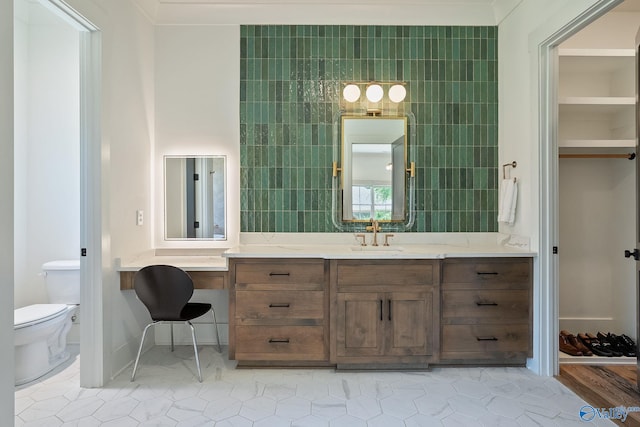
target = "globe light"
x: 397, y: 93
x: 374, y: 92
x: 351, y: 93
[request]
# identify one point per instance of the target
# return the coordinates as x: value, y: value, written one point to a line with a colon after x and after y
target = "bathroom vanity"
x: 384, y: 310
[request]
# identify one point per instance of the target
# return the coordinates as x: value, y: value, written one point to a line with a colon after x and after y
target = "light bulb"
x: 397, y: 93
x: 351, y: 93
x: 374, y: 92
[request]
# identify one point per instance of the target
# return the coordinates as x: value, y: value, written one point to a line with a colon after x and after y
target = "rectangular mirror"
x: 374, y: 164
x: 194, y: 197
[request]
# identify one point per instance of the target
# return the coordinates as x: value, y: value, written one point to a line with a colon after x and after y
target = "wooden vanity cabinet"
x: 278, y: 311
x: 384, y: 313
x: 486, y: 311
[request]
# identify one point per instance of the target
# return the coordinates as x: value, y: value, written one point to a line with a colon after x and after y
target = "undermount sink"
x: 380, y: 248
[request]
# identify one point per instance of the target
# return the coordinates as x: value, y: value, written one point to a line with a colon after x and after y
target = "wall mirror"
x: 373, y: 170
x: 195, y: 201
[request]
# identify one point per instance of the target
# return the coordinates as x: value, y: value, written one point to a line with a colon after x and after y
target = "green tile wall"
x: 290, y: 88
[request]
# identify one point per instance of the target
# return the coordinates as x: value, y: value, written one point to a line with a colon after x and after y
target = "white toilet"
x: 40, y: 330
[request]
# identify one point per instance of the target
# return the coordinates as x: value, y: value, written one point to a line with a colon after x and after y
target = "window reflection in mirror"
x: 374, y: 164
x: 195, y: 197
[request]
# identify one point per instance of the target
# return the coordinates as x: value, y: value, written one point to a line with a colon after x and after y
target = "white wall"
x: 597, y: 222
x: 127, y: 127
x: 47, y: 166
x: 197, y: 111
x: 7, y: 378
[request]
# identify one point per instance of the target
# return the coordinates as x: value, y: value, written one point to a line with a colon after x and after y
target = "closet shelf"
x: 597, y: 143
x: 597, y: 100
x: 596, y: 52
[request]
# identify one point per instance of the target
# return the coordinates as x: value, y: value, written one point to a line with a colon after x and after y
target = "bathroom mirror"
x: 372, y: 170
x: 195, y: 201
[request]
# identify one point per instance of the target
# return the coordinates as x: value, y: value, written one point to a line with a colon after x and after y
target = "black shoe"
x: 610, y: 343
x: 629, y: 348
x: 594, y: 345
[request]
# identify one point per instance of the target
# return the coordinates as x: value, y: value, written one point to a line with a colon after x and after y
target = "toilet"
x: 40, y: 330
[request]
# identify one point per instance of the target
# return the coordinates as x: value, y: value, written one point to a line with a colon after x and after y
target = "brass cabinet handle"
x: 278, y: 340
x: 279, y: 305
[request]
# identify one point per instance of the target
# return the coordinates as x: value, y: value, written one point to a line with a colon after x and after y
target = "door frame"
x: 92, y: 330
x: 549, y: 182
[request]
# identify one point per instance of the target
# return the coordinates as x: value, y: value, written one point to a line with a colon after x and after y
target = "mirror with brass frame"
x: 372, y: 170
x: 194, y: 195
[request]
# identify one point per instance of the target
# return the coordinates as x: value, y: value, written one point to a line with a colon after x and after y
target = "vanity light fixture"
x: 374, y: 92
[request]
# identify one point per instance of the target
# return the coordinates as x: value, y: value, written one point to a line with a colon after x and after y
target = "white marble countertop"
x: 410, y: 251
x: 191, y: 260
x: 335, y: 246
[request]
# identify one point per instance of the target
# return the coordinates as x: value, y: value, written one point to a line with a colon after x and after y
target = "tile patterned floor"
x: 167, y: 393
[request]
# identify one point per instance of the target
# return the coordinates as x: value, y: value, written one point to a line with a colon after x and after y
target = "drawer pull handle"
x: 278, y: 340
x: 381, y: 319
x: 389, y: 309
x: 480, y: 303
x: 487, y: 338
x: 487, y: 273
x: 279, y: 274
x: 279, y: 305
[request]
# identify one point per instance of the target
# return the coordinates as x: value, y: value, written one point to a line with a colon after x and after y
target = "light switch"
x: 139, y: 217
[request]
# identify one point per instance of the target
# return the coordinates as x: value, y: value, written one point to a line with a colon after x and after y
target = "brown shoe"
x: 565, y: 347
x: 574, y: 341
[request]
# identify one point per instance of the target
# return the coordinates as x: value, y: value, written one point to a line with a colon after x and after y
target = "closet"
x: 597, y: 188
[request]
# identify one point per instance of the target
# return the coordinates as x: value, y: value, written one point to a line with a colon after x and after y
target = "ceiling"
x: 356, y: 12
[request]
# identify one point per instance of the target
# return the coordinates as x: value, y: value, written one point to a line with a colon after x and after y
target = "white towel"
x: 508, y: 199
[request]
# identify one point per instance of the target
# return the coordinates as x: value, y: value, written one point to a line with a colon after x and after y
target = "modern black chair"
x: 165, y: 291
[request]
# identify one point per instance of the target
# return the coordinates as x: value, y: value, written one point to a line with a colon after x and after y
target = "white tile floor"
x: 167, y: 393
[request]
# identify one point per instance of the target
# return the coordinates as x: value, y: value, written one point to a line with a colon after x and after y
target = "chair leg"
x: 144, y: 334
x: 195, y: 349
x: 171, y: 324
x: 215, y: 325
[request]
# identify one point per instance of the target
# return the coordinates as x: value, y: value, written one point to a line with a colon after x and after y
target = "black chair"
x: 165, y: 291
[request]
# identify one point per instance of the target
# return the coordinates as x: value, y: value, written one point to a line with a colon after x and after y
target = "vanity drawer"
x: 301, y: 271
x: 279, y: 305
x: 484, y: 341
x: 500, y: 272
x: 386, y: 272
x: 280, y: 343
x: 470, y: 306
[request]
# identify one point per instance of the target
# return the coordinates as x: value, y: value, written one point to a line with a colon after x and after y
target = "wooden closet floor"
x: 604, y: 386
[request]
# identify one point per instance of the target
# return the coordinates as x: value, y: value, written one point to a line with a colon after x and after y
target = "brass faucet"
x: 375, y: 227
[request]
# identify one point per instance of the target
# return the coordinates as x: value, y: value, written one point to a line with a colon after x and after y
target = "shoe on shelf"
x: 594, y: 345
x: 610, y: 343
x: 575, y: 342
x: 625, y: 344
x: 567, y: 348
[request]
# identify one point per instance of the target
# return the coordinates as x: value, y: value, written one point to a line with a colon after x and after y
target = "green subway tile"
x: 290, y: 86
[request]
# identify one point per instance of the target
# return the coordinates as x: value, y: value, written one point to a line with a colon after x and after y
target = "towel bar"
x: 504, y: 168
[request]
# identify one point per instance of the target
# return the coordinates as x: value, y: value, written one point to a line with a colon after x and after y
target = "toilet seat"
x: 36, y: 313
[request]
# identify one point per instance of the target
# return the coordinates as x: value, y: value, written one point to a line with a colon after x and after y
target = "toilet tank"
x: 62, y: 279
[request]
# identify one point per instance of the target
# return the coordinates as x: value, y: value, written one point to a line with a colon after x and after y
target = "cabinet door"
x: 409, y: 323
x: 360, y: 324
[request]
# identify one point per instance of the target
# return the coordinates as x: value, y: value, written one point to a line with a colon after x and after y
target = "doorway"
x: 60, y: 127
x: 572, y: 187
